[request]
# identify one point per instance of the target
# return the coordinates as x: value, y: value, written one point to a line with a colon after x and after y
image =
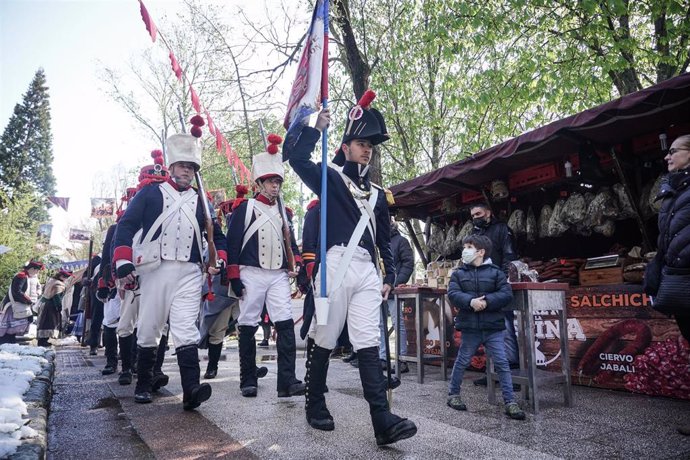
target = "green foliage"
x: 26, y: 154
x: 17, y: 231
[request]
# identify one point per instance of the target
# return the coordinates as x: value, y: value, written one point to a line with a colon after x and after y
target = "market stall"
x: 578, y: 194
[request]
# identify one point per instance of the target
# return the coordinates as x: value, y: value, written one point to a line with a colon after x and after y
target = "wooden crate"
x: 600, y: 276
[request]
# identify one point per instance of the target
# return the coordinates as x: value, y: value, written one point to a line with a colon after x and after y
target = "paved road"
x: 603, y: 424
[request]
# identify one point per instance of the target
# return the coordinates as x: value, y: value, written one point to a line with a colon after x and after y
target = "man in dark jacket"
x: 480, y: 290
x: 403, y: 260
x: 502, y: 254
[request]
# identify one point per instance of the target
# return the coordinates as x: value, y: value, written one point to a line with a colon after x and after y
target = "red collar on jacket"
x: 264, y: 199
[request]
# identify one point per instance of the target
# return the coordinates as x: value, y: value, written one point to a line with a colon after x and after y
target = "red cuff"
x: 298, y: 259
x: 101, y: 283
x: 122, y: 253
x: 310, y: 269
x: 223, y: 255
x: 233, y: 271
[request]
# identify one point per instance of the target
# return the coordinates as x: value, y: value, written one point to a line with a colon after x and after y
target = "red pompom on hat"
x: 157, y: 156
x: 366, y: 99
x: 241, y: 190
x: 274, y: 139
x: 197, y: 120
x: 196, y: 131
x: 272, y: 149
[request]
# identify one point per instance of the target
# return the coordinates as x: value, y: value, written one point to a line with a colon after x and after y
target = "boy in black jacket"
x: 480, y: 290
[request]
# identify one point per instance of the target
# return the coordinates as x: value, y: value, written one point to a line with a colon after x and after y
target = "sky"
x: 92, y: 134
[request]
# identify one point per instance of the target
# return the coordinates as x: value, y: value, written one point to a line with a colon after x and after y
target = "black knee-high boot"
x: 110, y: 342
x: 135, y: 352
x: 288, y: 385
x: 146, y: 359
x: 214, y: 350
x: 193, y: 392
x: 125, y: 377
x: 310, y: 346
x: 159, y: 378
x: 388, y: 427
x: 247, y: 345
x: 317, y: 370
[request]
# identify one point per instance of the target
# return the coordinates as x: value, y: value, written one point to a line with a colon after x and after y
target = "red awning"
x: 647, y: 111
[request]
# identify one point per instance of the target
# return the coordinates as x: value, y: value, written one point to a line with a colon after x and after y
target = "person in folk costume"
x: 50, y: 308
x: 172, y: 289
x: 155, y: 173
x: 15, y: 312
x: 358, y: 224
x: 35, y: 289
x: 94, y: 312
x: 216, y: 313
x: 258, y: 264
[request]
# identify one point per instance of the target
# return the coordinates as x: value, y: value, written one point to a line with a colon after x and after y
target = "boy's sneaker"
x: 456, y: 403
x: 513, y: 411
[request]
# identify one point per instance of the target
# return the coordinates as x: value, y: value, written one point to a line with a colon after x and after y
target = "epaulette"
x: 290, y: 213
x: 21, y: 275
x: 313, y: 204
x: 237, y: 203
x: 389, y: 195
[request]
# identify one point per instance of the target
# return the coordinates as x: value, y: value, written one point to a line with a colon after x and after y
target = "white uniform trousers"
x: 111, y: 312
x: 263, y: 286
x: 216, y: 333
x: 129, y: 312
x: 357, y: 301
x: 172, y: 291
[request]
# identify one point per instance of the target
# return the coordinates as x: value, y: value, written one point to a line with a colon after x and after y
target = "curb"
x: 38, y: 398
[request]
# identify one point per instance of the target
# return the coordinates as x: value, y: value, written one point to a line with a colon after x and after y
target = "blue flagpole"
x: 324, y: 156
x: 324, y: 207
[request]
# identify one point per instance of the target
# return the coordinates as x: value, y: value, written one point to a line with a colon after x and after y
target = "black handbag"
x: 673, y: 296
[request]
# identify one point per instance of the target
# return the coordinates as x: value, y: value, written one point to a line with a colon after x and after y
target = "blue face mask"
x: 468, y: 255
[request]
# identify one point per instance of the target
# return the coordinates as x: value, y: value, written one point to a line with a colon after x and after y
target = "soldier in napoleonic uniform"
x: 155, y: 173
x: 217, y: 313
x: 171, y: 284
x: 259, y: 270
x: 357, y: 225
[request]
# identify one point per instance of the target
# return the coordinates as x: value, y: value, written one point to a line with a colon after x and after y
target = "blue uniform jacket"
x: 142, y: 212
x: 343, y: 213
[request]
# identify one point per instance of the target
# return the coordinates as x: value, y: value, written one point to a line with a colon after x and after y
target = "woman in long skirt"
x: 51, y: 307
x: 15, y: 312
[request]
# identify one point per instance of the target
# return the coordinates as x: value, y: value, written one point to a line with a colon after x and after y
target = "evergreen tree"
x: 26, y: 151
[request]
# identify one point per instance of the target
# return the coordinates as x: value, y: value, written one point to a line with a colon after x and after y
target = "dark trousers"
x: 96, y: 322
x: 684, y: 325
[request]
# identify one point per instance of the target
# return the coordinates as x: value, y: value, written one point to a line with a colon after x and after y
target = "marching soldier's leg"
x: 110, y: 342
x: 184, y: 312
x: 159, y: 378
x: 125, y: 377
x: 363, y: 323
x: 325, y: 338
x: 280, y: 310
x: 251, y: 305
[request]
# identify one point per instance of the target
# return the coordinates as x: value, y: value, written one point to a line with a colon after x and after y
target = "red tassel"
x: 196, y: 131
x: 272, y: 149
x: 366, y: 99
x: 274, y: 139
x: 197, y: 120
x: 211, y: 126
x: 150, y: 26
x: 241, y: 190
x: 175, y: 66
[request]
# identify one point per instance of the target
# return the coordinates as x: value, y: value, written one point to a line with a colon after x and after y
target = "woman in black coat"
x: 673, y: 256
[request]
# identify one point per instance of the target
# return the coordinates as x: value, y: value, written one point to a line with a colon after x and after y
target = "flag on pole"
x: 309, y: 89
x: 150, y: 26
x: 63, y: 202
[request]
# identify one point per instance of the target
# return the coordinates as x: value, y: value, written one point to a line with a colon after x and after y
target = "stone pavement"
x: 602, y: 424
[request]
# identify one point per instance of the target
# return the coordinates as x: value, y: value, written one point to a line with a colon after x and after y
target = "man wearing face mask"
x: 262, y: 258
x: 173, y: 211
x: 358, y: 224
x: 503, y: 253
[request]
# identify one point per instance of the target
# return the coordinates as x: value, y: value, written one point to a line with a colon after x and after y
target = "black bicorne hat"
x: 363, y: 122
